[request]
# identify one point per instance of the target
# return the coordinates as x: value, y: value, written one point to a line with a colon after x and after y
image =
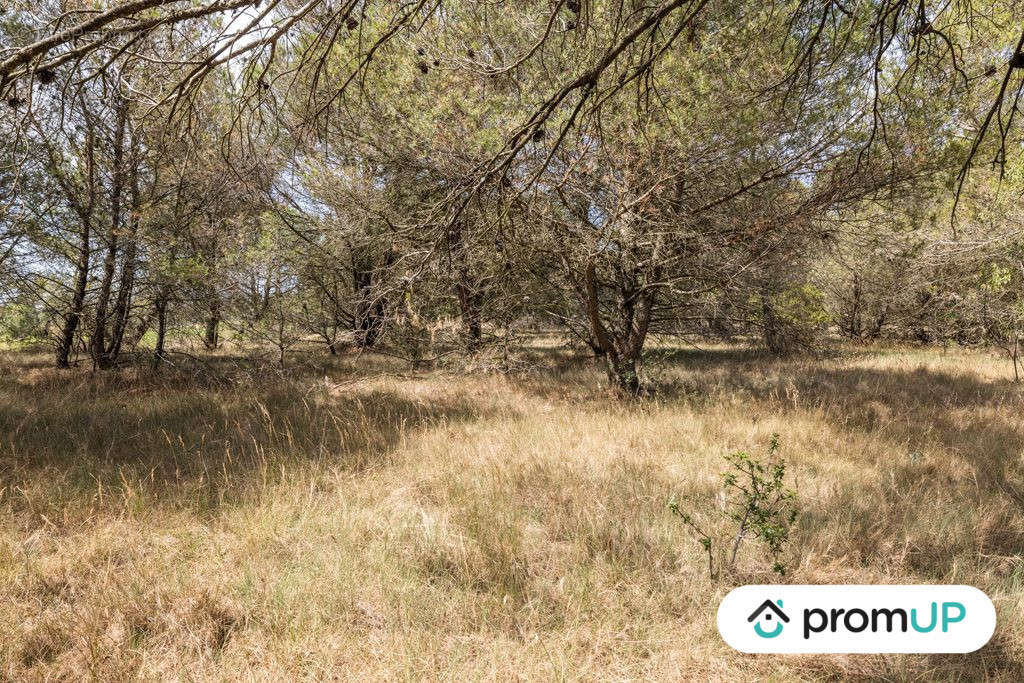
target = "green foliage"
x: 802, y: 305
x: 757, y: 504
x: 996, y: 278
x: 21, y: 323
x: 792, y: 319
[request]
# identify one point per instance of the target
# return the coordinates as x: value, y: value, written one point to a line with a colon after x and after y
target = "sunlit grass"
x: 335, y: 522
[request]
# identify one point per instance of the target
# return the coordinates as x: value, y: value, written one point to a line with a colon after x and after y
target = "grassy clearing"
x: 343, y: 522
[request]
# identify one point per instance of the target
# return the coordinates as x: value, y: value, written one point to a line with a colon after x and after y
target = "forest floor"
x: 353, y: 519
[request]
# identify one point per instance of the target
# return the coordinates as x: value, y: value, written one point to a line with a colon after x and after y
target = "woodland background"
x: 420, y: 339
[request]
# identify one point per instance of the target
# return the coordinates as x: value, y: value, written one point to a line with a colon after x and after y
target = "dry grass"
x: 345, y: 523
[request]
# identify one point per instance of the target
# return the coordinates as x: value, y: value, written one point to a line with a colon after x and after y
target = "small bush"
x: 757, y: 503
x: 793, y: 319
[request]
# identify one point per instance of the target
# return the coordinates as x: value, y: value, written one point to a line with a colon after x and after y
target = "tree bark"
x: 211, y: 336
x: 854, y: 324
x: 470, y: 305
x: 467, y: 291
x: 622, y: 351
x: 67, y: 334
x: 98, y: 345
x: 369, y: 311
x: 161, y: 329
x: 84, y: 209
x: 122, y: 307
x: 771, y: 329
x: 876, y: 329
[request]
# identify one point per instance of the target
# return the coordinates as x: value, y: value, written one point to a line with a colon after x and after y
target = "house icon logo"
x: 764, y: 616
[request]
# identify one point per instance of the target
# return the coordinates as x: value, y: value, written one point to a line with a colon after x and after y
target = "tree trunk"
x: 122, y: 307
x: 470, y: 305
x: 622, y: 373
x: 85, y: 210
x: 622, y: 351
x: 769, y: 325
x: 98, y: 345
x: 161, y: 329
x: 67, y: 334
x: 879, y: 324
x: 595, y: 348
x: 854, y: 328
x: 369, y: 313
x: 466, y: 290
x: 210, y: 337
x: 1016, y: 347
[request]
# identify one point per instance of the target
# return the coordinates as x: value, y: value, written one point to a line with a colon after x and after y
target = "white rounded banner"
x: 856, y: 619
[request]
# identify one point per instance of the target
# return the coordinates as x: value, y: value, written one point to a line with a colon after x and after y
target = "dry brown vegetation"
x: 355, y: 520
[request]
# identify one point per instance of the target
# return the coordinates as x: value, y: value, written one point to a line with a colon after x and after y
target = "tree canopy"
x: 434, y: 178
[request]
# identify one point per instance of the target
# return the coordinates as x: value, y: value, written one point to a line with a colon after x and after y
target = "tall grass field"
x: 359, y: 521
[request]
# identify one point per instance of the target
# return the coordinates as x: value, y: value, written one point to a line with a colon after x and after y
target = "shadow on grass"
x: 976, y: 420
x: 178, y: 438
x: 706, y: 359
x: 974, y: 491
x: 996, y: 661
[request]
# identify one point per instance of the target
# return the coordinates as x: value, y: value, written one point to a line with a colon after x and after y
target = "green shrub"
x: 757, y: 504
x: 792, y: 319
x: 21, y: 323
